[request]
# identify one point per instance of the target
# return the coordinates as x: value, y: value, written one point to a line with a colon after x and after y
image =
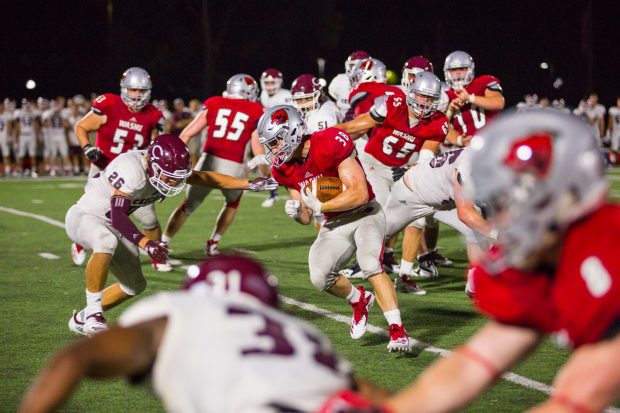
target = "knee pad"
x: 234, y: 204
x: 135, y: 288
x: 107, y: 243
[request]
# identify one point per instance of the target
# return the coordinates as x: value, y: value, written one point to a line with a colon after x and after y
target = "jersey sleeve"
x: 103, y: 104
x: 160, y: 121
x: 491, y: 83
x: 379, y: 110
x: 441, y: 127
x: 126, y: 175
x: 335, y: 146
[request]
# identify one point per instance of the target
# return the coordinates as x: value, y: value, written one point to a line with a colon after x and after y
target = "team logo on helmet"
x: 249, y: 81
x: 532, y: 154
x: 279, y: 117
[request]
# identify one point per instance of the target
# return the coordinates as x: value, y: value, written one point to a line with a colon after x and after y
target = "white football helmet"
x: 241, y: 86
x: 458, y: 60
x: 136, y: 78
x: 534, y: 173
x: 368, y: 70
x: 280, y: 131
x: 352, y: 60
x: 423, y: 94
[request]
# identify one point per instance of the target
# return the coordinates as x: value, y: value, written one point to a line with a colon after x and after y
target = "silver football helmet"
x: 368, y: 70
x: 136, y: 78
x: 458, y: 60
x: 534, y: 173
x: 280, y: 131
x: 423, y: 95
x: 241, y: 86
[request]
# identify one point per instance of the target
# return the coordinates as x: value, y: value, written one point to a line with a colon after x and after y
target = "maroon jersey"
x: 394, y: 140
x: 580, y: 302
x: 124, y: 130
x: 328, y: 148
x: 363, y: 95
x: 231, y: 123
x: 472, y: 117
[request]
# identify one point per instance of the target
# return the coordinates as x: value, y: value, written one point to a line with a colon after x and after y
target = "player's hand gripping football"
x: 92, y: 153
x: 158, y: 250
x: 311, y: 200
x: 262, y: 184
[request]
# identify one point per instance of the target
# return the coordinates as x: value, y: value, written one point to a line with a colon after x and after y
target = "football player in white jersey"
x: 219, y: 345
x: 340, y: 86
x: 56, y: 125
x: 6, y: 118
x: 613, y: 127
x: 594, y: 113
x: 435, y: 188
x: 272, y: 93
x: 27, y: 131
x: 318, y: 111
x: 100, y: 221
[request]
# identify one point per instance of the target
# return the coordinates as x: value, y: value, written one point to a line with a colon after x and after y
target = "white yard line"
x: 511, y: 377
x: 48, y: 255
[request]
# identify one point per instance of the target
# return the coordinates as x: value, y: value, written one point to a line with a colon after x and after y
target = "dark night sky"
x: 191, y: 47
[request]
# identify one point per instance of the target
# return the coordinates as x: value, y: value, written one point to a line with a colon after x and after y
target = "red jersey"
x: 580, y: 302
x: 231, y: 123
x: 328, y: 148
x: 394, y: 140
x: 363, y: 95
x: 124, y: 130
x: 472, y: 117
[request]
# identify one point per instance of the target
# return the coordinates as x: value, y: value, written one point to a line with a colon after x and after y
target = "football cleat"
x: 440, y: 260
x: 404, y: 284
x: 426, y: 266
x: 211, y: 249
x: 399, y: 340
x: 389, y: 263
x: 161, y: 266
x: 269, y: 202
x: 89, y: 325
x: 360, y: 313
x: 354, y: 272
x: 78, y: 254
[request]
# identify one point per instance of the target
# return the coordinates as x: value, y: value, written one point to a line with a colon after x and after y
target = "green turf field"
x: 37, y: 296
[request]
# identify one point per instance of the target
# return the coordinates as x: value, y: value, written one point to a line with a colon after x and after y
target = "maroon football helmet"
x: 306, y: 94
x: 412, y: 66
x: 353, y: 58
x: 169, y: 164
x: 229, y: 274
x: 271, y: 81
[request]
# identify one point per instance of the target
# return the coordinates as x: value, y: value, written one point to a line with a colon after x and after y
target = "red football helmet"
x: 271, y: 81
x: 413, y: 66
x: 306, y: 94
x: 233, y: 275
x: 353, y: 58
x: 169, y: 164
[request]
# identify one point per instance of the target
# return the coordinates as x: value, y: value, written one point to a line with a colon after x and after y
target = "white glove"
x: 292, y: 207
x: 256, y: 161
x: 311, y: 200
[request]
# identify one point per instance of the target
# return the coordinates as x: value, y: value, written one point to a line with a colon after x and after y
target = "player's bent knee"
x: 135, y: 287
x: 106, y: 243
x: 321, y: 280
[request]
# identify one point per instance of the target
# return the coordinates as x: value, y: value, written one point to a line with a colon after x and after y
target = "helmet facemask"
x: 460, y: 79
x: 421, y: 105
x: 277, y: 151
x: 306, y: 103
x: 135, y: 98
x: 167, y: 183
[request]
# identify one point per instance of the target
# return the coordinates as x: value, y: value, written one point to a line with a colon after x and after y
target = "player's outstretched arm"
x: 195, y: 126
x: 217, y: 180
x: 452, y: 382
x: 116, y: 352
x: 358, y: 126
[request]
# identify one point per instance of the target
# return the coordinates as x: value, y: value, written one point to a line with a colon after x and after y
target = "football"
x: 327, y: 187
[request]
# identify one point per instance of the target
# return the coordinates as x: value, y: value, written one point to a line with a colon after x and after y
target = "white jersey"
x: 340, y: 88
x: 324, y: 117
x: 5, y: 118
x: 278, y: 98
x: 433, y: 181
x: 26, y: 120
x: 235, y: 354
x: 127, y: 173
x: 73, y: 119
x: 614, y: 119
x: 55, y: 122
x: 592, y: 114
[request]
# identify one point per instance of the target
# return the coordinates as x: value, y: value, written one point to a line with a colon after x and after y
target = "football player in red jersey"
x: 354, y: 219
x: 472, y: 101
x: 541, y: 178
x: 231, y: 120
x: 123, y: 123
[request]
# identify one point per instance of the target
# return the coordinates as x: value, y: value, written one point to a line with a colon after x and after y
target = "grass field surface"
x: 38, y: 293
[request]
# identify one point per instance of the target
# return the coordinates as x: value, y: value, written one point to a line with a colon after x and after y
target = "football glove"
x: 311, y: 200
x: 157, y: 250
x: 92, y: 153
x: 262, y: 184
x: 292, y: 208
x: 256, y: 161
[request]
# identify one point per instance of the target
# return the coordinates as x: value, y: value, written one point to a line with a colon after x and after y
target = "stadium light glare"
x: 544, y: 65
x: 31, y: 84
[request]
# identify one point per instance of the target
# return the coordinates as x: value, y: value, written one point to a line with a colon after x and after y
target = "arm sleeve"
x: 119, y: 215
x: 378, y: 111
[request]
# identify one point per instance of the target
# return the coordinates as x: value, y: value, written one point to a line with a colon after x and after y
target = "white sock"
x: 388, y: 249
x: 354, y: 296
x: 405, y: 268
x: 216, y: 237
x: 469, y: 285
x: 165, y: 238
x: 393, y: 317
x: 93, y: 302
